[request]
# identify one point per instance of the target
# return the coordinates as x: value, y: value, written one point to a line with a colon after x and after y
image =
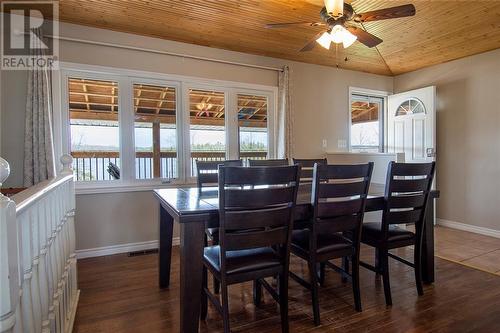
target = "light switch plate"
x: 325, y: 143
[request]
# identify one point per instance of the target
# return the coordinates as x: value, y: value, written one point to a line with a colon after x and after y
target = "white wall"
x: 320, y: 97
x: 468, y: 136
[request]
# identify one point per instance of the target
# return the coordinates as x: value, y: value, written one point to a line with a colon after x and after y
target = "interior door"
x: 411, y: 125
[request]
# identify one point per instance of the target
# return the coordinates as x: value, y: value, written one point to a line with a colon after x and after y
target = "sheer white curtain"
x: 38, y: 137
x: 284, y: 144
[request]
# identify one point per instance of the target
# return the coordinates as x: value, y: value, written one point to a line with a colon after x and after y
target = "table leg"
x: 428, y: 245
x: 166, y: 227
x: 191, y: 264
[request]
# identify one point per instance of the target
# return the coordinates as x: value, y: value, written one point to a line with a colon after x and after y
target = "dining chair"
x: 208, y: 175
x: 339, y: 195
x: 278, y: 162
x: 307, y: 167
x: 406, y: 197
x: 207, y: 171
x: 255, y: 222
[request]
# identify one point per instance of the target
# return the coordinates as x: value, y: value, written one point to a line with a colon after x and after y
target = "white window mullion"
x: 232, y: 140
x: 126, y: 121
x: 184, y: 153
x: 271, y: 123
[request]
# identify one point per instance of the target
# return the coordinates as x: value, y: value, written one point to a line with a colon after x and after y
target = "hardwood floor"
x: 474, y: 250
x: 120, y: 294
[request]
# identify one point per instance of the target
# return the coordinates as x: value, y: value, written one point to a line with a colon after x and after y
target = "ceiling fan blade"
x: 309, y: 46
x: 364, y: 37
x: 284, y: 25
x: 386, y: 13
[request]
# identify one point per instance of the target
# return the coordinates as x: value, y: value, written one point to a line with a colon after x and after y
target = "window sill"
x: 101, y: 187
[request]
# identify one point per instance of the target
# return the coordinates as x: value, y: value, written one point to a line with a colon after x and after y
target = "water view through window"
x: 252, y: 125
x: 155, y: 131
x: 95, y: 144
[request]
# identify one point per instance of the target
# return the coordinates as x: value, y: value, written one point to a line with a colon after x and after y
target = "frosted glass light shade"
x: 324, y: 40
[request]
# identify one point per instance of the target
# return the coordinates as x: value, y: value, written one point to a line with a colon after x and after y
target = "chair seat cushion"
x: 242, y: 260
x: 324, y: 244
x: 373, y: 231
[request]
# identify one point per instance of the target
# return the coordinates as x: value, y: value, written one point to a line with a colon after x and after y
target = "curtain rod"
x: 127, y: 47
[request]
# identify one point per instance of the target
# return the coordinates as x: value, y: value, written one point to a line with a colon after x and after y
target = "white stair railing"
x: 38, y: 277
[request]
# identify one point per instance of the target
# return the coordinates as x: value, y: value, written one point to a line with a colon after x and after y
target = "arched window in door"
x: 409, y: 107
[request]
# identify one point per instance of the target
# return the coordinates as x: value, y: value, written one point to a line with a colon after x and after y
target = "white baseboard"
x: 469, y: 228
x: 120, y: 248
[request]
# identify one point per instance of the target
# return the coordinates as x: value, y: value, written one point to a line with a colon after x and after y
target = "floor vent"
x: 142, y: 253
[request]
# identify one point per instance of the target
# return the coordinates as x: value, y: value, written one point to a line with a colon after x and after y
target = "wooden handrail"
x: 32, y: 194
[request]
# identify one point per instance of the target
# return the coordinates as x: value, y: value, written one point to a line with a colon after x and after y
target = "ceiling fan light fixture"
x: 335, y: 8
x: 324, y: 40
x: 339, y: 34
x: 349, y: 39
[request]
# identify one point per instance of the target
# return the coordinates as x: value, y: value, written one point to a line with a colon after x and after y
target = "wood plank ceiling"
x: 441, y: 30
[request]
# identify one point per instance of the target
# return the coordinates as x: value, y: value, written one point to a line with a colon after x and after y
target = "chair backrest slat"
x: 256, y: 207
x: 339, y: 208
x: 277, y: 162
x: 337, y: 190
x: 347, y: 171
x: 407, y: 185
x: 406, y: 193
x: 208, y: 171
x: 263, y: 218
x: 411, y: 216
x: 260, y: 197
x: 259, y: 176
x: 336, y: 224
x: 339, y: 197
x: 407, y: 201
x: 256, y: 238
x: 307, y: 167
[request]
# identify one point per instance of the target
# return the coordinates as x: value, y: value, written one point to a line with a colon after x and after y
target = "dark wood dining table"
x: 194, y: 211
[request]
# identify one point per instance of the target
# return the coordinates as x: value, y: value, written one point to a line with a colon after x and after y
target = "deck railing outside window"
x: 92, y: 165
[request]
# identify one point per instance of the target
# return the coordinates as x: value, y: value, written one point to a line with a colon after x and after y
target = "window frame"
x: 271, y: 119
x: 125, y: 79
x: 369, y: 93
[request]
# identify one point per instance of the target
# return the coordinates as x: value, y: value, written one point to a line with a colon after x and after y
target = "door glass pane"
x: 409, y: 107
x: 252, y: 126
x: 206, y: 126
x: 94, y: 132
x: 366, y: 123
x: 155, y: 131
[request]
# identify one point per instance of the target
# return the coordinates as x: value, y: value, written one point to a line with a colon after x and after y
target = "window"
x: 94, y: 129
x: 366, y: 123
x: 207, y: 128
x: 410, y: 106
x: 155, y: 131
x: 252, y: 127
x: 129, y: 128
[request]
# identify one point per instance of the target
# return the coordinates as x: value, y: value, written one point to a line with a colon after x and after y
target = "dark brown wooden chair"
x: 207, y: 172
x: 339, y: 195
x: 307, y: 168
x: 279, y: 162
x: 256, y: 219
x: 208, y: 175
x: 406, y: 196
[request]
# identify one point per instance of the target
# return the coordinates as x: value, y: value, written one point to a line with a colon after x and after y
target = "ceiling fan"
x: 345, y: 26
